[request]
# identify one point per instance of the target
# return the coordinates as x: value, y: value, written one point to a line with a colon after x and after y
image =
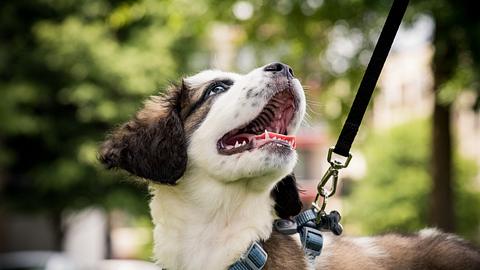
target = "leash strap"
x: 254, y: 259
x: 370, y: 78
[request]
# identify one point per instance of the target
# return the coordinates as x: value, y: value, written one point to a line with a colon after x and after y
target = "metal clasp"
x: 338, y: 164
x: 331, y: 174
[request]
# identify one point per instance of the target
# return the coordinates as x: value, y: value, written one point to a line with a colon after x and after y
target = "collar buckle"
x: 312, y: 241
x: 254, y: 259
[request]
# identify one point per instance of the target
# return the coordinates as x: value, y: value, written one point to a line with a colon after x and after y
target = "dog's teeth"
x: 229, y: 147
x: 244, y: 142
x: 237, y: 144
x: 266, y: 135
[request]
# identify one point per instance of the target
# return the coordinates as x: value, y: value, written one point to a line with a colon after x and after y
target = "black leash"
x: 311, y: 222
x: 370, y: 78
x: 355, y: 116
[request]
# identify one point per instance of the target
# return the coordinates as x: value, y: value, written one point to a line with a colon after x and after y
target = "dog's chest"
x: 188, y: 236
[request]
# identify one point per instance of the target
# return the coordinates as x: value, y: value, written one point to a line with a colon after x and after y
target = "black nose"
x: 280, y: 67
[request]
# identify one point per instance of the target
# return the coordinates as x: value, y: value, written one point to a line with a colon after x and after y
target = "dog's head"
x: 228, y: 126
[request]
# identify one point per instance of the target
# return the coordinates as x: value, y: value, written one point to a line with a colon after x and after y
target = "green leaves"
x: 393, y: 196
x: 69, y: 73
x: 71, y: 70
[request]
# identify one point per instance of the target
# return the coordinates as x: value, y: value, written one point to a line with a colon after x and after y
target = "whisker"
x: 312, y: 101
x: 306, y: 123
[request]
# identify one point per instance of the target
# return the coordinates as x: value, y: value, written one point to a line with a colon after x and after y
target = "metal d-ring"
x: 336, y: 163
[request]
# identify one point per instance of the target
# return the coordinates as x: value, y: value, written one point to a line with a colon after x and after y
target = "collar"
x: 254, y: 259
x: 310, y: 235
x: 312, y: 239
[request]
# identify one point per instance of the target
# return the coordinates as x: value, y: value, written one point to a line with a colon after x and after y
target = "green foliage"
x: 304, y: 34
x: 69, y: 72
x: 393, y: 196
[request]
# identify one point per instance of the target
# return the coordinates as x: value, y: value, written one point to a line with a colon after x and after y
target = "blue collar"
x: 310, y: 235
x: 312, y: 241
x: 254, y: 259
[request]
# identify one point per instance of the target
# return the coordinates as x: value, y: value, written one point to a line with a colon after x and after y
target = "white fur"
x: 366, y: 245
x: 222, y: 203
x: 429, y: 233
x: 369, y: 247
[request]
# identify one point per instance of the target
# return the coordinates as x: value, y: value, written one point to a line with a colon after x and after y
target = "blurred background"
x: 72, y: 70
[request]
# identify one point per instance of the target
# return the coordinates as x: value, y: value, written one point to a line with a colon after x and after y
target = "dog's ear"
x: 152, y: 145
x: 287, y: 198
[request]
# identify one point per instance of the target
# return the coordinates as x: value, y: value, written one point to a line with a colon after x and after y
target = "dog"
x: 218, y: 151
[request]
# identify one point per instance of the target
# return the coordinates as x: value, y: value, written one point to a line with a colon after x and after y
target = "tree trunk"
x: 445, y: 61
x: 442, y: 197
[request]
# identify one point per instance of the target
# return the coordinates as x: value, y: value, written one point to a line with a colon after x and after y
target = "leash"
x: 350, y: 128
x: 370, y: 78
x: 311, y: 222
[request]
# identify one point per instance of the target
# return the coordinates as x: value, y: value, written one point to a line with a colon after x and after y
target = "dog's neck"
x: 203, y: 223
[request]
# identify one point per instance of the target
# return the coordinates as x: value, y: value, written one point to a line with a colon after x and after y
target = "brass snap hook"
x: 330, y: 175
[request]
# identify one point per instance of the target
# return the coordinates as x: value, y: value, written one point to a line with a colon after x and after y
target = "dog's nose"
x: 280, y: 67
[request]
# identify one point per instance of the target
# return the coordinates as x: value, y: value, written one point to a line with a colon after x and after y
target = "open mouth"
x: 268, y: 128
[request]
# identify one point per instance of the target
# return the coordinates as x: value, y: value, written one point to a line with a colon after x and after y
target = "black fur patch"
x: 287, y: 199
x: 152, y: 145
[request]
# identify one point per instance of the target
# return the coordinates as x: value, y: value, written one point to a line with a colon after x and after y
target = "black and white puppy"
x: 218, y: 150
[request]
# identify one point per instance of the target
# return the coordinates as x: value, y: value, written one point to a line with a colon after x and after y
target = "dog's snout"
x: 280, y: 67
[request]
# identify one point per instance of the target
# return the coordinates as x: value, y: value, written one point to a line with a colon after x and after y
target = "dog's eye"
x: 217, y: 88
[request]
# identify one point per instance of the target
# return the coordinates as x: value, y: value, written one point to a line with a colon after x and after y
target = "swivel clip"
x: 330, y: 175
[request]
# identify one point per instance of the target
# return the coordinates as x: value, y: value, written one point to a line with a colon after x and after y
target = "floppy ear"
x: 287, y: 199
x: 152, y: 145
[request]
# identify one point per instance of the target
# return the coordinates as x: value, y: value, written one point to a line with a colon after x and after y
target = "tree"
x: 70, y: 71
x: 457, y: 49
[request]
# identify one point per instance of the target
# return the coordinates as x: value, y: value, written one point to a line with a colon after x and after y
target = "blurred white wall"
x: 86, y: 235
